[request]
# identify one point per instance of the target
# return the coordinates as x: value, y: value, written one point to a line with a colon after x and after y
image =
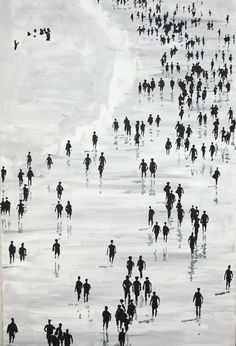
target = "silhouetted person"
x: 12, y: 251
x: 20, y: 177
x: 136, y: 288
x: 152, y: 168
x: 25, y: 193
x: 22, y: 252
x: 165, y: 231
x: 12, y: 330
x: 151, y: 213
x: 3, y: 174
x: 102, y: 159
x: 179, y: 191
x: 20, y: 207
x: 216, y: 175
x: 144, y: 167
x: 156, y: 229
x: 49, y: 161
x: 147, y: 287
x: 87, y: 162
x: 111, y: 251
x: 58, y: 209
x: 59, y: 190
x: 68, y: 148
x: 198, y: 299
x: 94, y: 139
x: 29, y: 159
x: 204, y: 220
x: 130, y: 265
x: 106, y: 318
x: 167, y: 189
x: 192, y: 241
x: 78, y: 287
x: 59, y: 334
x: 154, y: 302
x: 121, y: 337
x: 49, y: 328
x: 30, y: 175
x: 68, y: 339
x: 56, y: 248
x: 68, y: 210
x: 228, y: 277
x: 168, y: 146
x: 141, y: 264
x: 126, y: 286
x: 115, y: 125
x: 7, y: 206
x: 86, y: 288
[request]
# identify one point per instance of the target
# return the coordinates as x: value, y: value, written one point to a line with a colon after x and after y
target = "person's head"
x: 147, y: 278
x: 229, y: 267
x: 12, y: 319
x: 59, y: 183
x: 164, y: 223
x: 86, y: 280
x: 3, y: 167
x: 127, y: 276
x: 102, y: 153
x: 22, y: 244
x: 87, y: 155
x: 149, y: 207
x: 130, y: 257
x: 198, y: 289
x: 56, y: 240
x: 20, y: 200
x: 49, y: 321
x: 67, y: 331
x: 154, y: 293
x: 136, y: 277
x: 140, y: 257
x: 78, y: 277
x: 156, y: 223
x: 111, y: 241
x: 106, y: 307
x: 60, y: 324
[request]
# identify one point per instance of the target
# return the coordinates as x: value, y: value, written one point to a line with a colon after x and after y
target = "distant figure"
x: 115, y: 125
x: 216, y: 175
x: 25, y: 193
x: 20, y: 177
x: 141, y: 264
x: 151, y: 213
x: 58, y: 209
x: 156, y: 229
x: 49, y: 328
x: 126, y: 286
x: 3, y: 174
x: 12, y: 251
x: 68, y: 148
x: 78, y: 287
x: 111, y: 251
x: 87, y: 162
x: 29, y: 159
x: 49, y: 161
x: 198, y: 299
x: 12, y: 330
x: 136, y: 288
x: 147, y: 287
x: 68, y: 210
x: 21, y: 209
x: 144, y: 167
x: 94, y: 140
x: 130, y: 265
x: 68, y: 339
x: 56, y: 248
x: 59, y: 334
x: 30, y: 175
x: 165, y: 231
x: 106, y: 318
x: 153, y: 168
x: 154, y: 302
x: 22, y: 252
x: 192, y: 241
x: 59, y: 190
x: 228, y: 277
x: 121, y: 337
x: 87, y: 288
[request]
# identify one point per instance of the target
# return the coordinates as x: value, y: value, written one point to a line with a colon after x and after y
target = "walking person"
x: 56, y: 248
x: 78, y: 287
x: 228, y: 277
x: 111, y: 251
x: 106, y: 318
x: 49, y: 329
x: 216, y: 175
x: 154, y: 302
x: 198, y: 299
x: 12, y: 330
x: 12, y: 251
x: 87, y: 288
x: 151, y: 213
x: 22, y: 252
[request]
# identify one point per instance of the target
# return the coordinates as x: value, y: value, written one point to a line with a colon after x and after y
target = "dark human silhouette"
x: 216, y: 175
x: 49, y: 329
x: 68, y: 210
x: 58, y: 209
x: 156, y: 230
x: 25, y: 193
x: 12, y: 330
x: 3, y: 174
x: 106, y: 318
x: 165, y: 231
x: 87, y: 162
x: 68, y: 148
x: 147, y: 287
x: 130, y: 265
x: 59, y: 190
x: 22, y: 252
x: 56, y: 249
x: 86, y: 288
x: 59, y: 335
x: 121, y: 337
x: 30, y: 175
x: 12, y: 251
x: 154, y: 302
x: 141, y: 264
x: 228, y: 277
x: 137, y: 288
x: 144, y: 167
x: 126, y: 286
x: 68, y: 339
x: 151, y: 213
x: 49, y: 161
x: 78, y: 287
x: 192, y: 241
x: 20, y: 177
x: 198, y: 299
x: 111, y: 251
x: 20, y: 207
